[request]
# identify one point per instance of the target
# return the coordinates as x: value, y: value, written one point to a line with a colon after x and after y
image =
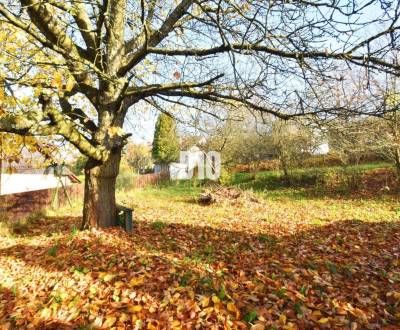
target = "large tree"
x: 86, y: 63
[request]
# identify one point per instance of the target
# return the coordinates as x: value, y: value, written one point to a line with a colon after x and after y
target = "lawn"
x: 284, y: 258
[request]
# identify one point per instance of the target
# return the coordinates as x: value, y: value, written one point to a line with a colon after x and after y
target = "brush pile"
x: 221, y: 195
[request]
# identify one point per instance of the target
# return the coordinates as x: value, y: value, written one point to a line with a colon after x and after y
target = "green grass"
x: 265, y: 184
x: 273, y: 177
x: 173, y: 200
x: 274, y: 183
x: 75, y: 209
x: 171, y: 191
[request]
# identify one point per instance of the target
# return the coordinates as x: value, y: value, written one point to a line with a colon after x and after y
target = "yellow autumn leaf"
x: 135, y: 309
x: 359, y: 314
x: 115, y: 131
x: 176, y: 324
x: 205, y: 302
x: 136, y: 281
x: 57, y: 80
x: 290, y: 326
x: 37, y: 91
x: 97, y: 322
x: 208, y: 310
x: 324, y: 320
x: 45, y: 313
x: 282, y: 319
x: 108, y: 277
x: 70, y: 84
x: 316, y: 313
x: 258, y: 326
x: 109, y: 322
x: 124, y: 317
x: 231, y: 307
x: 215, y: 300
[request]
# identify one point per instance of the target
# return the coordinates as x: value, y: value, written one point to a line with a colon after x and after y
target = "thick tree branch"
x: 249, y: 49
x: 114, y: 39
x: 48, y: 24
x: 67, y: 129
x: 226, y: 99
x: 27, y: 124
x: 156, y: 88
x: 157, y: 36
x: 77, y: 114
x: 85, y: 28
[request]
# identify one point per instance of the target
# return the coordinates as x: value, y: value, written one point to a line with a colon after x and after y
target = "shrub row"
x: 314, y: 161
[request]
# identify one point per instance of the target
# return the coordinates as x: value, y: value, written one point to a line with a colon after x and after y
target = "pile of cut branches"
x: 221, y: 195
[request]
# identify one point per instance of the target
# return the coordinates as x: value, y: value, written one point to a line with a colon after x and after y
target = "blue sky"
x: 141, y: 123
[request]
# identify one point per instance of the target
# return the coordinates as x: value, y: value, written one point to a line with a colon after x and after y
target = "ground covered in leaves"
x: 242, y: 262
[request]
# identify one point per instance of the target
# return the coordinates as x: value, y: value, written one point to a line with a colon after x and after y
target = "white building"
x: 22, y: 177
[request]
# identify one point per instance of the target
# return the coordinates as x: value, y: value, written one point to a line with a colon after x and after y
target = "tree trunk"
x: 285, y: 169
x: 99, y: 209
x: 397, y: 163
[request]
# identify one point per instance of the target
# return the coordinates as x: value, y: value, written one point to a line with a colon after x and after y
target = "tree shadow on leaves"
x: 329, y: 275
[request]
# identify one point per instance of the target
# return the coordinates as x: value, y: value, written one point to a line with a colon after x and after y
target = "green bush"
x: 321, y: 180
x: 266, y: 165
x: 303, y: 179
x: 326, y: 179
x: 226, y: 178
x: 350, y: 178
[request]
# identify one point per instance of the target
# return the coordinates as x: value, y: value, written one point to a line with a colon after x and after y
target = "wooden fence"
x: 144, y: 180
x: 22, y: 204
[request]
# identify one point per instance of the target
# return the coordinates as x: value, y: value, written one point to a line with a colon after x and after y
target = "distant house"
x: 24, y: 176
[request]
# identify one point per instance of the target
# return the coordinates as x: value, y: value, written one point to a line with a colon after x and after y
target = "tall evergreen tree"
x: 166, y: 141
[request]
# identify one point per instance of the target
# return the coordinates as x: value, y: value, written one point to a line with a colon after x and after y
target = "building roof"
x: 56, y: 170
